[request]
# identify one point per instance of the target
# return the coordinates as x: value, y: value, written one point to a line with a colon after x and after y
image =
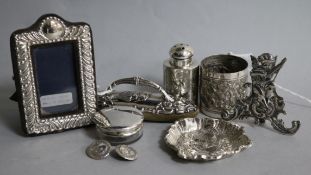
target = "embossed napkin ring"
x: 222, y: 83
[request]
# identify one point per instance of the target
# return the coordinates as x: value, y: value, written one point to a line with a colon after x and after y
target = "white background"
x: 133, y: 38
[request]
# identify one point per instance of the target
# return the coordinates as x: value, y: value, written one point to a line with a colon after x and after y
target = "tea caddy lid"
x: 181, y: 55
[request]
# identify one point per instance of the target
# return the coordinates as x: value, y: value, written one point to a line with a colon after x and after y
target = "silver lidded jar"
x: 119, y: 124
x: 181, y: 73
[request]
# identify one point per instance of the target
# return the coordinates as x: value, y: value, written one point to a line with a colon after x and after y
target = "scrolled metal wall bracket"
x: 263, y: 103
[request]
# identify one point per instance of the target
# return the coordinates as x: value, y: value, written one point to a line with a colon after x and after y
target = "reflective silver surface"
x: 120, y: 118
x: 126, y: 152
x: 263, y: 103
x: 52, y: 29
x: 120, y: 138
x: 155, y: 106
x: 222, y: 83
x: 181, y: 73
x: 119, y: 124
x: 181, y: 51
x: 98, y: 150
x: 206, y: 139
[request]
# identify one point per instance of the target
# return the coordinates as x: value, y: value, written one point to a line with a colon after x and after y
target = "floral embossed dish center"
x: 204, y: 141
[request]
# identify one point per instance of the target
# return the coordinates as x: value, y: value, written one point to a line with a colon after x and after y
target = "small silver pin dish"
x: 204, y: 139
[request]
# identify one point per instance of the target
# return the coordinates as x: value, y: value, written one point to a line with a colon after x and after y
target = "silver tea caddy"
x: 181, y: 73
x: 222, y: 83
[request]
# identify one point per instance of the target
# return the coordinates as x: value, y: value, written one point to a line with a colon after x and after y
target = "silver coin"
x: 126, y: 152
x: 98, y: 150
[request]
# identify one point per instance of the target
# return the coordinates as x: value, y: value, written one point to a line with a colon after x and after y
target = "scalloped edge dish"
x: 206, y: 139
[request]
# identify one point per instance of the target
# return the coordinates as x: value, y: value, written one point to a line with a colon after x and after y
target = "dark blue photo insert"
x: 55, y: 67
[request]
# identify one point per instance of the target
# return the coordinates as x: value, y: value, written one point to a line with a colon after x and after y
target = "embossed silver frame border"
x: 21, y: 42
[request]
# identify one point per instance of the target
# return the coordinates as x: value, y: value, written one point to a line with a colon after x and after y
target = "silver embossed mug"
x: 222, y: 83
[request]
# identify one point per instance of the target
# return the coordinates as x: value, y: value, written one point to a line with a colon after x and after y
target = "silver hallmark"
x: 99, y: 149
x: 126, y: 152
x: 263, y: 103
x: 181, y: 73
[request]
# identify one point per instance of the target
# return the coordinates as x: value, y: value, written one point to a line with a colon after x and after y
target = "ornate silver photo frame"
x: 54, y: 72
